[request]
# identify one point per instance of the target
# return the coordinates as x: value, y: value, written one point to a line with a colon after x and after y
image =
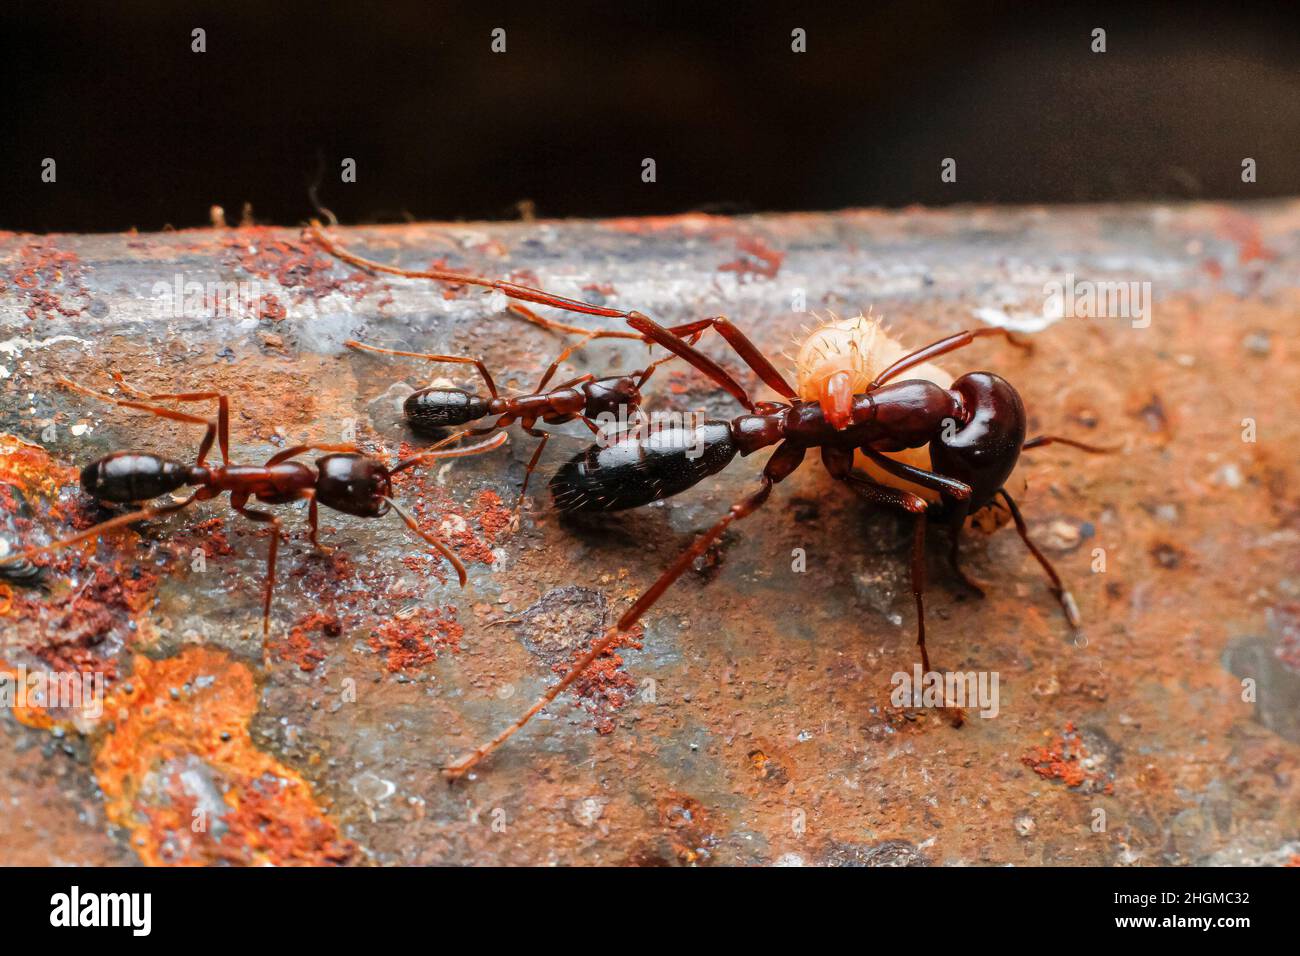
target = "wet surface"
x: 751, y: 721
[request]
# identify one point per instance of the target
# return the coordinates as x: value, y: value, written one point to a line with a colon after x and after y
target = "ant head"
x: 605, y: 396
x: 353, y: 484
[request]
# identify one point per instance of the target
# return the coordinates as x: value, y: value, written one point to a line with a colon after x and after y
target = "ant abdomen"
x: 127, y: 476
x: 431, y: 409
x: 637, y: 468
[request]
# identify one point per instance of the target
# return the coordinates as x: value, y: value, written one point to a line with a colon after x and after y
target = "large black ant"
x: 343, y: 479
x: 975, y: 432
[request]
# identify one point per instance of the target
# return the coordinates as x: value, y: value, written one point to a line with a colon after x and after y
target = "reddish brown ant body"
x: 343, y: 479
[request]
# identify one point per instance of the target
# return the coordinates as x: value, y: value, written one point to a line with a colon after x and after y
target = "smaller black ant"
x: 343, y: 479
x: 586, y: 398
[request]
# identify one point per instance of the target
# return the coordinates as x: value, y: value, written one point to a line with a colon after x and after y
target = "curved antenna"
x: 437, y: 451
x: 445, y: 551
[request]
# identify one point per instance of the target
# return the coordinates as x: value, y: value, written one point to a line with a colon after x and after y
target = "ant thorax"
x: 847, y: 354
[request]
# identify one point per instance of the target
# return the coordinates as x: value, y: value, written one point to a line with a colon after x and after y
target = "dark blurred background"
x: 147, y: 133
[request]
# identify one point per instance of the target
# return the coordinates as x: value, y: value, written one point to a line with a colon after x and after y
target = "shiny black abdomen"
x: 430, y: 409
x: 984, y: 452
x: 636, y: 470
x: 127, y: 476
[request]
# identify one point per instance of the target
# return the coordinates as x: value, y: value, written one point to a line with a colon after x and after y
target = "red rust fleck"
x: 408, y: 643
x: 1063, y: 760
x: 759, y: 259
x: 604, y: 686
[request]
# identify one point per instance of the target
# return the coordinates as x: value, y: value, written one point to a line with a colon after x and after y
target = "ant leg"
x: 510, y: 289
x: 223, y: 409
x: 1063, y: 597
x: 957, y: 523
x: 208, y: 438
x: 458, y: 359
x: 692, y: 356
x: 532, y: 462
x: 943, y: 347
x: 839, y: 462
x: 297, y: 450
x: 312, y: 518
x: 442, y: 549
x: 1042, y: 440
x: 956, y: 497
x: 784, y: 460
x: 238, y: 502
x: 897, y: 498
x: 144, y: 514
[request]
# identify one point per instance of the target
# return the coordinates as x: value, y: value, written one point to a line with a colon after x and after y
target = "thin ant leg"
x: 784, y: 460
x: 208, y: 438
x: 442, y: 549
x: 1064, y: 597
x: 943, y: 347
x: 532, y: 462
x: 297, y: 450
x: 956, y: 496
x: 458, y: 359
x: 839, y: 462
x: 312, y: 519
x: 691, y: 355
x: 223, y: 409
x: 144, y: 514
x: 510, y: 289
x: 528, y: 315
x: 1042, y: 440
x: 238, y: 500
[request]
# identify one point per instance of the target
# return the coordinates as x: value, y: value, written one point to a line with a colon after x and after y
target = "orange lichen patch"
x: 604, y: 686
x: 757, y: 259
x: 1066, y: 758
x: 180, y: 772
x: 299, y: 647
x: 409, y: 642
x: 25, y: 711
x: 30, y: 468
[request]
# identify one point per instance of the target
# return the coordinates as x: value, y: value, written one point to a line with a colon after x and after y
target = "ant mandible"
x: 344, y: 479
x: 975, y: 432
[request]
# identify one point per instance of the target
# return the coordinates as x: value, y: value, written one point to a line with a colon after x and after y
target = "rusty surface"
x: 751, y: 721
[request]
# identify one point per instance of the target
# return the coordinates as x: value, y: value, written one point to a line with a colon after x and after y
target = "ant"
x: 344, y: 479
x: 975, y: 432
x: 428, y: 411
